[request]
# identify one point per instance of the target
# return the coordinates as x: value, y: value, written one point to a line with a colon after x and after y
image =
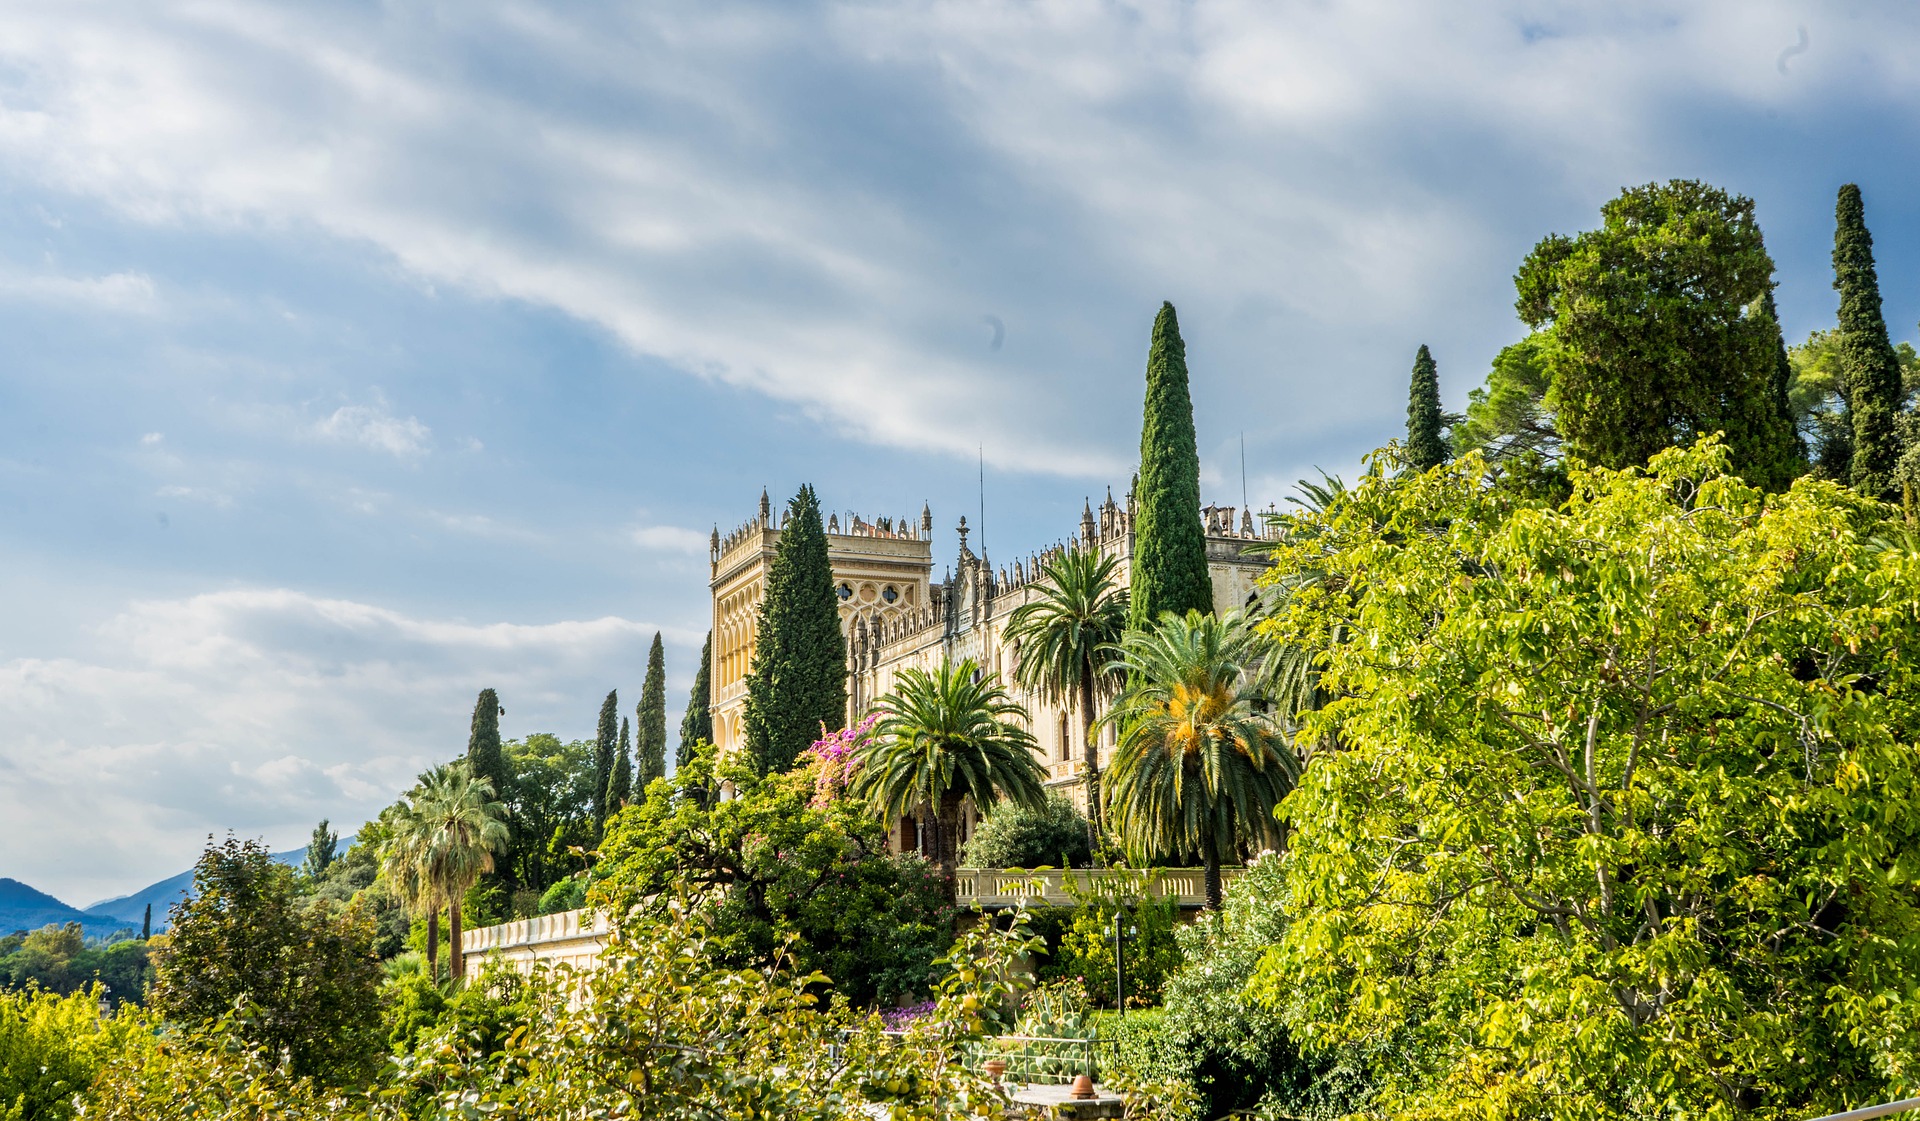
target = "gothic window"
x: 889, y: 593
x: 845, y: 591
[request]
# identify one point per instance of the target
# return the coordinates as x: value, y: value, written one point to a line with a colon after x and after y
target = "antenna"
x: 982, y: 449
x: 1243, y: 470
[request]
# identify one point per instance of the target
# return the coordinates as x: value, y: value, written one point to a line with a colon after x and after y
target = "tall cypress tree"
x: 620, y: 783
x: 484, y: 756
x: 605, y: 740
x: 697, y: 725
x: 1170, y: 545
x: 1426, y: 448
x: 1783, y: 386
x: 1871, y: 369
x: 650, y: 720
x: 798, y: 678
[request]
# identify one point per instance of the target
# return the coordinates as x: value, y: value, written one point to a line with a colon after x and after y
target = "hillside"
x: 165, y: 893
x: 28, y: 908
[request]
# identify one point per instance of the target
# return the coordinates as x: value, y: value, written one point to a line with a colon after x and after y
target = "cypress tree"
x: 1426, y: 448
x: 797, y: 682
x: 650, y: 723
x: 1170, y: 545
x: 1783, y: 386
x: 146, y: 924
x: 1870, y: 369
x: 620, y: 783
x: 605, y: 739
x: 697, y: 725
x: 484, y: 755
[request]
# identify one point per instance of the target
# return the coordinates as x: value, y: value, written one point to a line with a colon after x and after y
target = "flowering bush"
x: 835, y: 757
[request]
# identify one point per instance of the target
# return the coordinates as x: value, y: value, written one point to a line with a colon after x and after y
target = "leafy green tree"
x: 1625, y: 805
x: 1426, y: 446
x: 458, y: 827
x: 780, y: 872
x: 696, y: 727
x: 550, y: 806
x: 1816, y: 395
x: 605, y: 744
x: 943, y: 738
x: 1013, y: 836
x: 1199, y: 767
x: 484, y: 753
x: 1654, y: 333
x: 1869, y: 366
x: 797, y: 683
x: 650, y: 720
x: 306, y: 982
x: 1064, y: 637
x: 1169, y: 567
x: 52, y: 1047
x: 620, y: 783
x: 320, y: 851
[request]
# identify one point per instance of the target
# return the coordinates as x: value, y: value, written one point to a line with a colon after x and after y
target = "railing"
x: 1035, y: 1059
x: 1011, y: 887
x: 531, y: 934
x: 1867, y: 1113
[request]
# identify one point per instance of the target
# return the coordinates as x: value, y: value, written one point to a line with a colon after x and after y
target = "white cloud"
x: 123, y: 292
x: 669, y: 539
x: 374, y: 427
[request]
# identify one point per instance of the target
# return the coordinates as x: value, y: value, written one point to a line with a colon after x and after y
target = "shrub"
x: 569, y: 894
x: 52, y: 1046
x: 1085, y: 946
x: 1015, y: 837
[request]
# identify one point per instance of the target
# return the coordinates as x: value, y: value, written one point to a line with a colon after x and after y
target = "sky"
x: 357, y: 356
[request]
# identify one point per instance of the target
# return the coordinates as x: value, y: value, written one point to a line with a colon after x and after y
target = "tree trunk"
x: 1212, y: 859
x: 946, y: 843
x: 456, y: 961
x: 433, y: 945
x: 1090, y: 759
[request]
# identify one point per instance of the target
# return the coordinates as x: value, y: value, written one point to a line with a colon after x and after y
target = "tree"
x: 306, y: 983
x: 1199, y: 767
x: 1655, y: 334
x: 1426, y: 447
x: 696, y: 727
x: 1170, y: 546
x: 1625, y: 800
x: 943, y: 738
x: 605, y: 743
x: 1869, y: 367
x: 484, y: 754
x: 406, y: 864
x: 320, y: 851
x: 650, y: 721
x: 1013, y: 836
x: 797, y: 683
x: 551, y: 807
x: 620, y: 783
x: 458, y: 827
x: 1064, y: 637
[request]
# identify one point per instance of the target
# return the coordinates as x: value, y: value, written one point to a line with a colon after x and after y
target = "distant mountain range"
x: 27, y: 908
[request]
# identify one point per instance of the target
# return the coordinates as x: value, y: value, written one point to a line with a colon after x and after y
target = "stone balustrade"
x: 1009, y: 887
x: 572, y: 937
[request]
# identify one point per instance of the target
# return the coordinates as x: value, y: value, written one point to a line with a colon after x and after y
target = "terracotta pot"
x: 996, y: 1068
x: 1082, y: 1086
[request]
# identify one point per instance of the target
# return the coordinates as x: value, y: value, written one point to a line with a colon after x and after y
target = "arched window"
x: 1066, y: 741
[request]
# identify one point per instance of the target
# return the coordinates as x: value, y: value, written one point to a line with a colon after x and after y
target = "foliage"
x: 835, y: 757
x: 306, y: 980
x: 1869, y: 366
x: 1200, y: 765
x: 696, y: 726
x: 486, y: 756
x: 620, y: 783
x: 320, y: 848
x: 1653, y: 333
x: 550, y: 805
x: 1624, y: 816
x: 605, y: 743
x: 57, y: 959
x: 650, y: 719
x: 1016, y: 836
x: 1426, y: 446
x: 1063, y: 638
x: 52, y: 1046
x: 1085, y: 949
x: 768, y: 865
x: 797, y: 680
x: 1169, y: 565
x: 444, y: 842
x: 1509, y: 419
x: 1817, y: 396
x: 564, y: 895
x: 353, y: 880
x: 943, y: 738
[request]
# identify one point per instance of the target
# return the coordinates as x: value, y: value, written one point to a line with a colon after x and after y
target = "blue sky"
x: 356, y: 356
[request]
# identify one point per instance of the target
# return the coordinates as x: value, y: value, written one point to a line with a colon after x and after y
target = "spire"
x: 926, y: 519
x: 765, y: 506
x: 1086, y: 520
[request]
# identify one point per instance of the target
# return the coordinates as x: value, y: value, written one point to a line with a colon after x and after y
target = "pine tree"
x: 1170, y: 546
x: 620, y: 783
x: 1870, y: 367
x: 697, y: 725
x: 320, y: 850
x: 1426, y: 448
x: 605, y: 740
x: 797, y: 682
x: 484, y: 756
x: 650, y: 719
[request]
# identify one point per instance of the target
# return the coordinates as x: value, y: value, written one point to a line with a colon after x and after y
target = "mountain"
x: 165, y: 893
x: 27, y: 908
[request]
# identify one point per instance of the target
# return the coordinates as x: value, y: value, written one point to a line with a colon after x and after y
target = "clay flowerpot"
x: 1082, y: 1086
x: 996, y: 1068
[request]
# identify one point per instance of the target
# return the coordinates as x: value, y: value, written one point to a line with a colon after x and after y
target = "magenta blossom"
x: 838, y: 756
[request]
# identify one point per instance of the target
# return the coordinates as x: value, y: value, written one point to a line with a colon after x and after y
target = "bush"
x: 1084, y: 946
x: 52, y: 1046
x: 1015, y: 837
x: 569, y: 894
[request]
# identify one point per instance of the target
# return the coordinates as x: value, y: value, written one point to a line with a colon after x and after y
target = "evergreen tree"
x: 697, y: 725
x: 605, y: 740
x: 1170, y: 546
x: 320, y: 850
x: 1870, y: 368
x: 797, y: 682
x: 1783, y: 384
x: 146, y: 924
x: 620, y: 783
x: 1426, y: 448
x: 650, y: 720
x: 484, y: 757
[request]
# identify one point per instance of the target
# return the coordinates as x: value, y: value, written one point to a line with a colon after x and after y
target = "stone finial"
x: 833, y: 523
x: 926, y: 519
x: 766, y: 507
x: 962, y: 531
x: 1246, y: 523
x: 1086, y: 520
x: 713, y: 543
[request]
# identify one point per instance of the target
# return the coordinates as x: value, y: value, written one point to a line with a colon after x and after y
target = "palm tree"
x: 404, y: 863
x: 944, y: 737
x: 1065, y: 640
x: 1199, y: 768
x: 443, y: 843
